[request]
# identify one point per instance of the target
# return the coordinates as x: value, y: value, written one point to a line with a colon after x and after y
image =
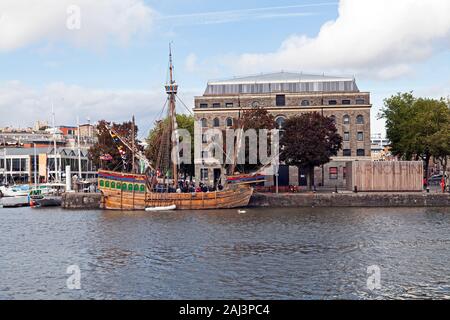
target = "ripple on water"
x: 262, y: 254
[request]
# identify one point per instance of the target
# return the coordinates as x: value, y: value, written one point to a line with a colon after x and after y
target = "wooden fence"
x: 385, y: 175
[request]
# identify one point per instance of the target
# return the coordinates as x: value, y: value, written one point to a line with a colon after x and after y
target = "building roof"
x: 281, y: 82
x: 30, y: 151
x: 279, y: 77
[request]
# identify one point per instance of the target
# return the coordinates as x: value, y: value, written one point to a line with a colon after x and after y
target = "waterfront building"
x: 286, y: 94
x: 21, y: 165
x: 380, y: 148
x: 63, y: 136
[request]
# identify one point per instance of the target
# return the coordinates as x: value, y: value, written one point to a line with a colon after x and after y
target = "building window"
x: 203, y: 174
x: 204, y: 123
x: 347, y: 152
x: 360, y: 119
x: 344, y: 172
x: 346, y: 136
x: 280, y: 122
x: 118, y: 186
x: 204, y: 138
x: 360, y: 101
x: 360, y: 153
x: 360, y: 136
x: 305, y: 103
x: 142, y: 188
x: 333, y: 118
x: 113, y: 185
x: 229, y: 122
x: 216, y: 122
x: 346, y: 102
x: 333, y: 173
x: 346, y: 119
x: 229, y: 105
x: 204, y: 154
x: 332, y: 102
x: 203, y: 105
x: 280, y: 100
x: 216, y: 105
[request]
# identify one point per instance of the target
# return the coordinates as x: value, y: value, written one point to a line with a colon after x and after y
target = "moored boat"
x: 124, y: 191
x: 47, y: 195
x: 155, y: 189
x: 45, y: 201
x: 15, y: 191
x: 157, y: 209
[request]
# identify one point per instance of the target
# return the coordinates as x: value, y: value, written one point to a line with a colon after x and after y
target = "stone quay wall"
x: 92, y: 201
x: 78, y: 200
x: 418, y: 199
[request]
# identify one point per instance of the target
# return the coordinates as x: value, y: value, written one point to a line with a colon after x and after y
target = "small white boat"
x: 15, y: 191
x: 166, y: 208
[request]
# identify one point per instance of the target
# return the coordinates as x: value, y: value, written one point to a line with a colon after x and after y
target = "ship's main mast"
x: 171, y: 90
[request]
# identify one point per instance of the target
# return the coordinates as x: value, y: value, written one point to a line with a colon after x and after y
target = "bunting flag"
x: 120, y: 148
x: 106, y: 157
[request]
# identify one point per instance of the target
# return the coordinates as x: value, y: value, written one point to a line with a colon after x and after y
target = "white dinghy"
x: 166, y: 208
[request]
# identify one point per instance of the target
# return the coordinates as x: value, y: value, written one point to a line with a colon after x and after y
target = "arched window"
x: 229, y: 122
x: 333, y: 118
x: 216, y: 122
x: 346, y: 119
x: 280, y: 122
x: 204, y: 123
x: 360, y: 119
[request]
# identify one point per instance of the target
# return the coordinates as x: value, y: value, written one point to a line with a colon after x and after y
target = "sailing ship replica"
x: 131, y: 191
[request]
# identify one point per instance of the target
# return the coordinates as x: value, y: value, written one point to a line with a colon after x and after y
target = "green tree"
x: 418, y: 128
x: 308, y: 141
x: 160, y: 132
x: 106, y: 145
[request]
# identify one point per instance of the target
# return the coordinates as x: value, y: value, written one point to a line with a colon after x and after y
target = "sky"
x: 108, y: 59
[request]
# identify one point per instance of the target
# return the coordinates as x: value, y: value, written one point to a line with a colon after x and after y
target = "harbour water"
x: 316, y: 253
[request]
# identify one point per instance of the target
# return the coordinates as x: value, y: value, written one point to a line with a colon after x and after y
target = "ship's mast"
x: 133, y: 158
x: 171, y: 90
x: 55, y: 151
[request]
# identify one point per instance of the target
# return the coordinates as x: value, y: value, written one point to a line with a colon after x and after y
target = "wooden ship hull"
x: 122, y: 191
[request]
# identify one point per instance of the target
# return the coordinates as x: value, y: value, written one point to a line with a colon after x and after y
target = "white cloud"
x: 21, y: 105
x: 25, y: 22
x: 190, y: 63
x: 380, y: 38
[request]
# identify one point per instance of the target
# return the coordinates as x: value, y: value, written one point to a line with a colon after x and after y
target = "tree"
x: 309, y: 140
x: 418, y: 128
x: 105, y: 145
x: 441, y: 147
x: 159, y: 132
x: 256, y: 118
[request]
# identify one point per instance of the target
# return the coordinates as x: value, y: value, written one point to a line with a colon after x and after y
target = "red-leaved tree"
x: 309, y: 140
